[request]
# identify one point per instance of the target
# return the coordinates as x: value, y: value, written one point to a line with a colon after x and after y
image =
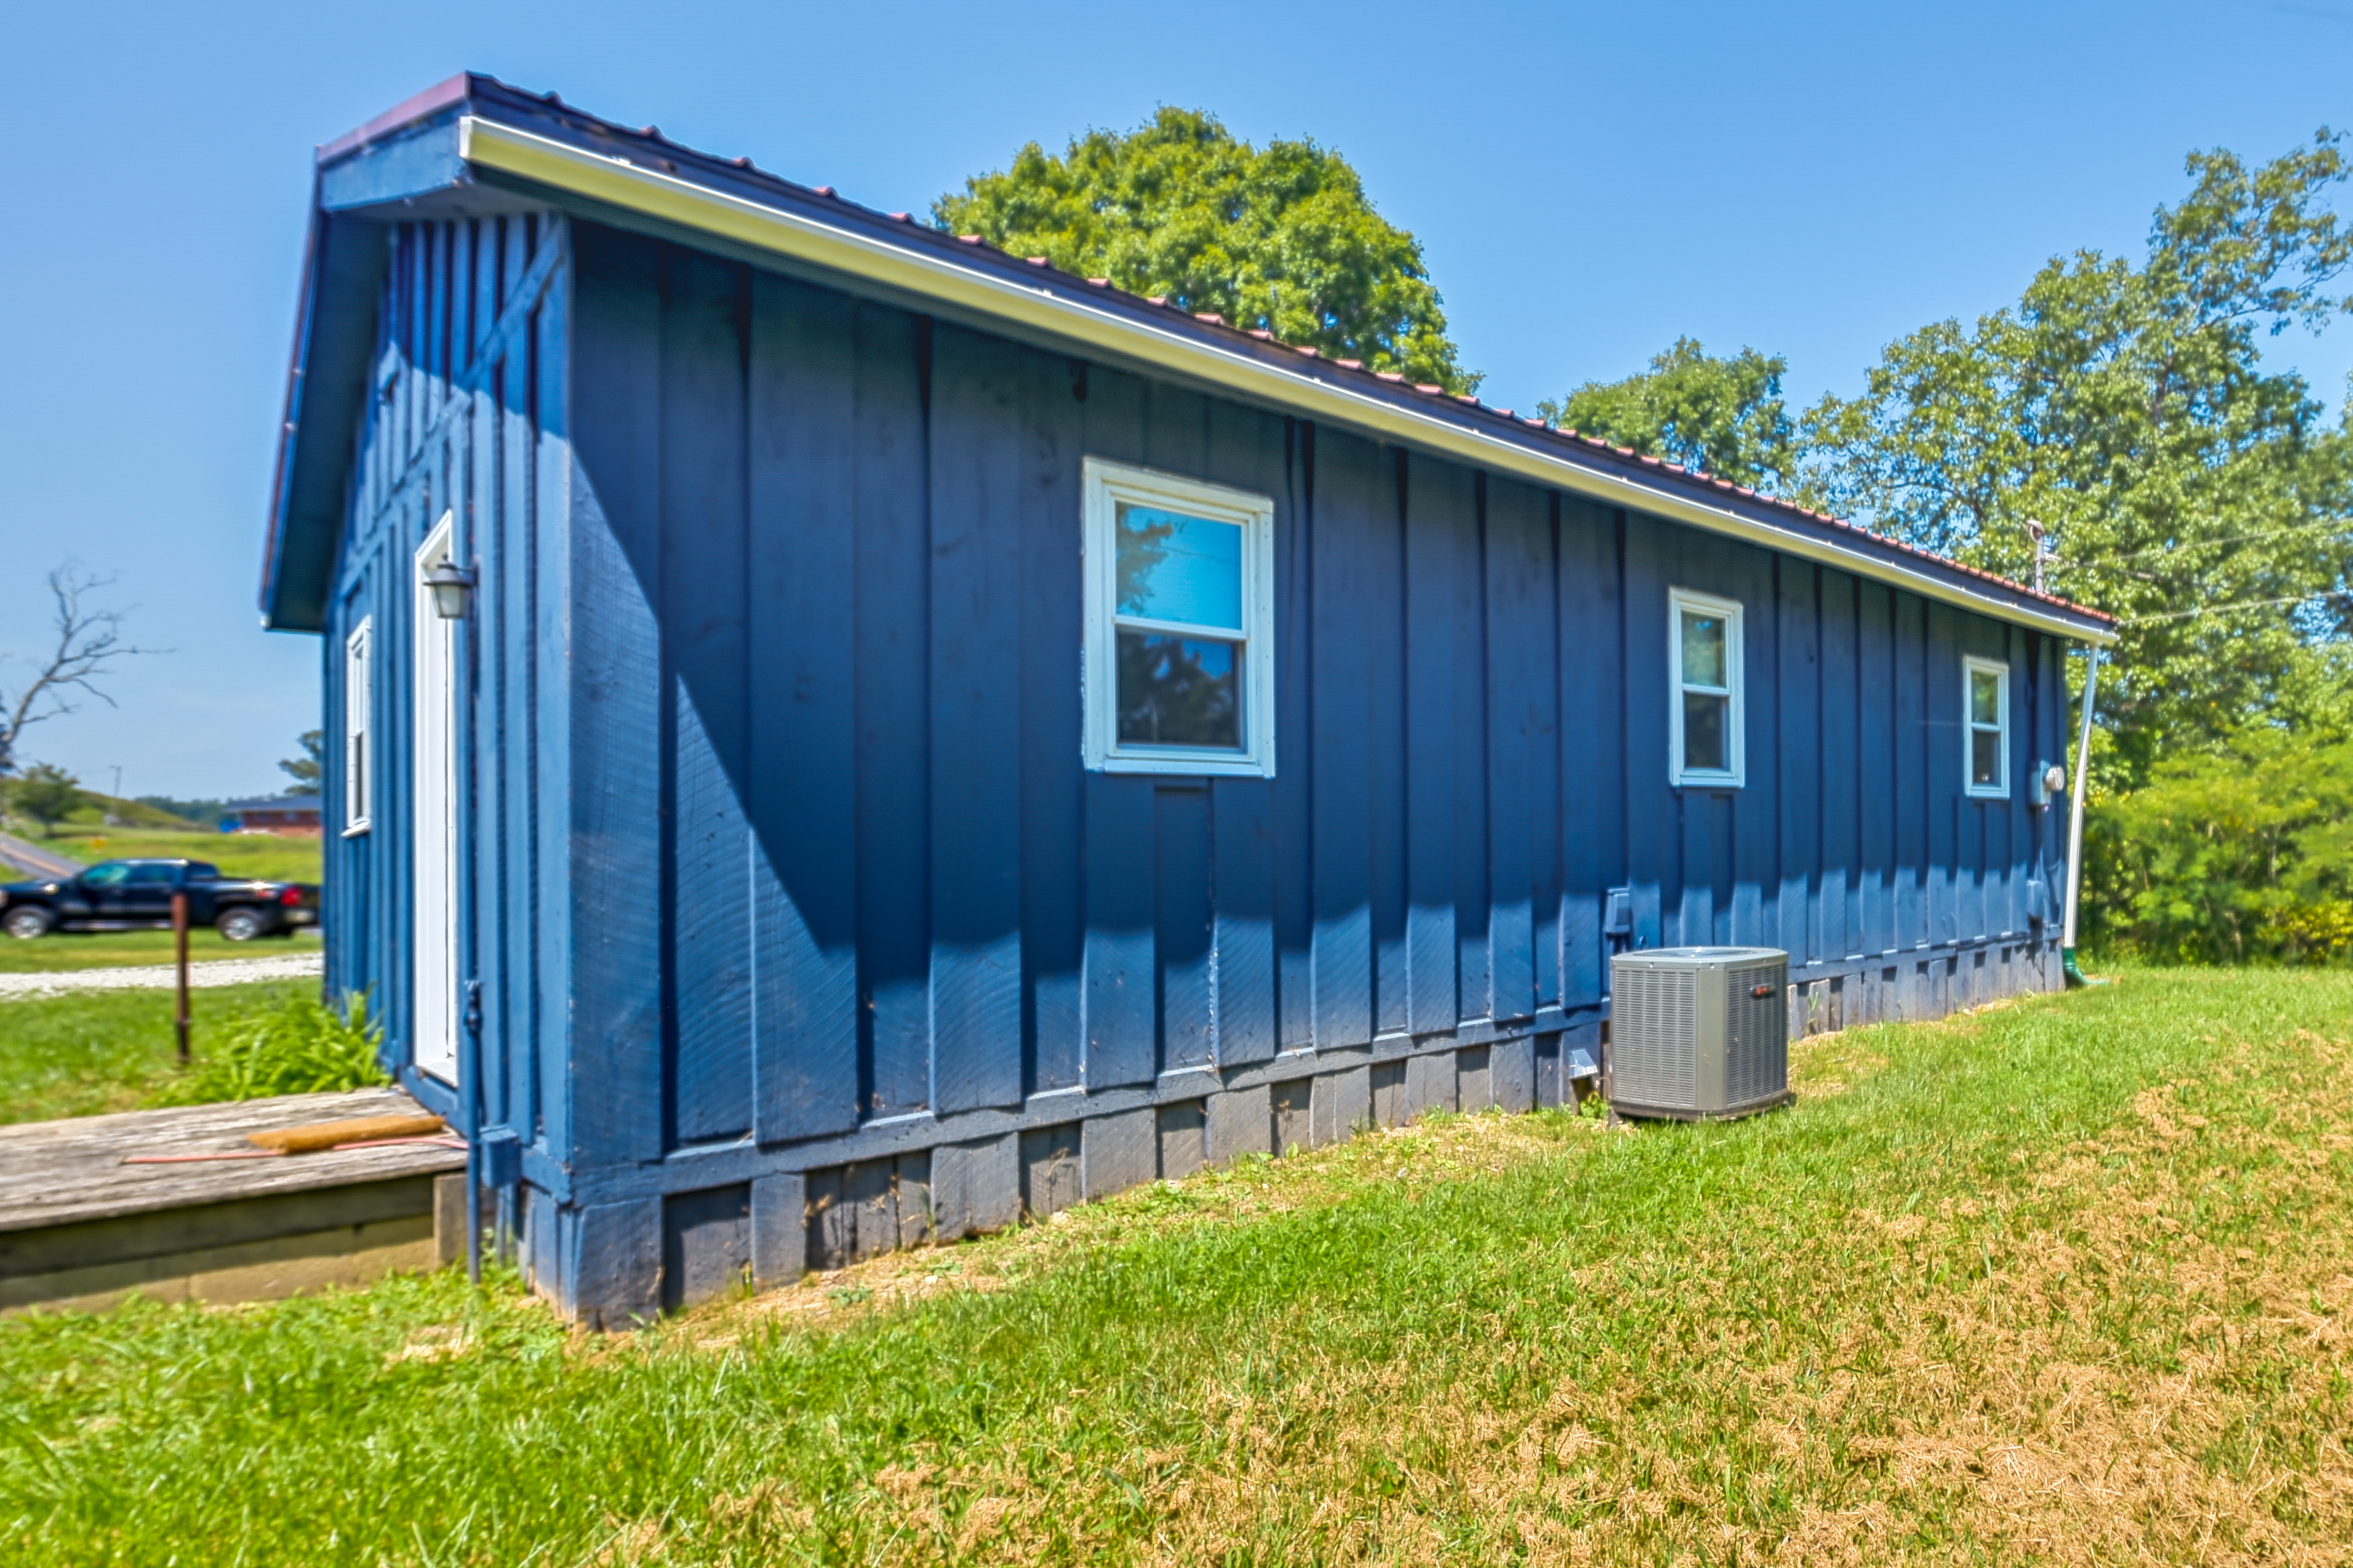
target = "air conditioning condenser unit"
x: 1698, y: 1031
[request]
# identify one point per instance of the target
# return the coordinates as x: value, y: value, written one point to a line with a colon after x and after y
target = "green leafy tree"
x: 2187, y: 489
x: 2240, y: 855
x: 1723, y: 416
x: 45, y: 794
x: 307, y: 769
x: 1282, y: 238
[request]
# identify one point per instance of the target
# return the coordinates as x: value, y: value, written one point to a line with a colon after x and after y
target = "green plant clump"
x: 2239, y: 855
x: 299, y: 1044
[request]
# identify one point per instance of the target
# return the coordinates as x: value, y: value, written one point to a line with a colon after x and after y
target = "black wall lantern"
x: 452, y: 587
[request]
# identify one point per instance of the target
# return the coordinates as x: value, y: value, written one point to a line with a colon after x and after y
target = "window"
x: 1987, y: 694
x: 1707, y: 747
x: 1179, y: 674
x: 153, y: 874
x: 359, y: 792
x: 113, y: 874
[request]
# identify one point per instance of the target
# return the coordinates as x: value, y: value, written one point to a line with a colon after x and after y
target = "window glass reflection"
x: 1703, y: 649
x: 1704, y: 728
x: 1985, y: 697
x: 1985, y: 757
x: 1178, y: 691
x: 1177, y: 568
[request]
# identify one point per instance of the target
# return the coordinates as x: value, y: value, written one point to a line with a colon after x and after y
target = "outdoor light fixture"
x: 452, y: 587
x: 2054, y: 780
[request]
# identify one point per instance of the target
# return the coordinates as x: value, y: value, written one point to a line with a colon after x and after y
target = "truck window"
x: 155, y: 874
x: 204, y: 871
x: 110, y: 875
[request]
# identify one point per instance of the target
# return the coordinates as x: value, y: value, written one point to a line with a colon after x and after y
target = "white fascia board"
x: 919, y: 271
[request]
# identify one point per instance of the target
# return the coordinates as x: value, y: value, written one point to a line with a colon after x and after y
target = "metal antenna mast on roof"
x: 2042, y: 537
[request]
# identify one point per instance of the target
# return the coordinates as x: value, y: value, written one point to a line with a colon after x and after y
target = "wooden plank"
x: 1053, y: 785
x: 1653, y: 552
x: 802, y: 799
x: 1841, y: 756
x: 1291, y: 1105
x: 613, y: 1265
x: 1520, y: 654
x: 1183, y: 965
x: 1183, y: 1132
x: 1430, y: 1084
x: 1546, y: 890
x: 1474, y: 1078
x: 911, y: 1178
x: 1119, y: 1151
x: 976, y: 1185
x: 1875, y: 766
x: 1750, y: 873
x: 1120, y: 912
x: 1383, y: 679
x: 1911, y: 781
x: 705, y: 619
x: 1593, y: 764
x: 1350, y: 495
x: 706, y: 1246
x: 1941, y: 687
x: 549, y: 696
x: 981, y: 403
x: 1440, y: 534
x: 1797, y: 623
x: 1342, y: 1104
x: 1474, y: 988
x: 616, y: 1091
x: 1050, y: 1169
x: 1243, y: 846
x: 62, y: 1173
x: 1238, y: 1122
x: 1512, y: 1074
x: 1292, y: 805
x: 892, y: 731
x: 779, y: 1230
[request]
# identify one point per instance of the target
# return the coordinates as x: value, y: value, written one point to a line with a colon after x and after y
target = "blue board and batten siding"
x: 800, y: 927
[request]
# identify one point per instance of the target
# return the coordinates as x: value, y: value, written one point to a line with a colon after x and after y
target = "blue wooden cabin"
x: 848, y: 734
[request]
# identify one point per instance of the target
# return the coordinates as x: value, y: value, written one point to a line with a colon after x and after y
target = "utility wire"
x: 2242, y: 605
x: 2059, y: 564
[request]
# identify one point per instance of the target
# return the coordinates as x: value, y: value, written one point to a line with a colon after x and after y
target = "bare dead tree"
x: 88, y: 643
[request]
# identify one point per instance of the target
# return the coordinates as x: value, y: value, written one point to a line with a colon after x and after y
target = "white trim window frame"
x: 1976, y: 732
x: 1703, y: 692
x: 1201, y: 641
x: 359, y: 744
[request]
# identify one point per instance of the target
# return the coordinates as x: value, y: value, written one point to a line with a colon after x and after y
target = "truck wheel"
x: 241, y: 925
x: 28, y: 922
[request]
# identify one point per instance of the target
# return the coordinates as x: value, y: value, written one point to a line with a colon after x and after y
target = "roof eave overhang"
x: 1113, y: 327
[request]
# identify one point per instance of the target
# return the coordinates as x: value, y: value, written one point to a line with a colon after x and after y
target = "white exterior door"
x: 434, y: 844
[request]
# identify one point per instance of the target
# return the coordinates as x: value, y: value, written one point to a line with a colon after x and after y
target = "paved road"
x: 40, y: 862
x: 156, y: 976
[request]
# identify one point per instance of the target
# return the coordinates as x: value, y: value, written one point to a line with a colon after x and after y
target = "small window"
x: 1987, y: 693
x: 359, y: 791
x: 1707, y: 747
x: 153, y: 874
x: 1180, y: 673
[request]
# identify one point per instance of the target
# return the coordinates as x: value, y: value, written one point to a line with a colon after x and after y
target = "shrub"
x: 297, y: 1046
x: 2235, y: 856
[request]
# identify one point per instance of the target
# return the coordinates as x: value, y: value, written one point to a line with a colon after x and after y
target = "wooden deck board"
x: 59, y: 1172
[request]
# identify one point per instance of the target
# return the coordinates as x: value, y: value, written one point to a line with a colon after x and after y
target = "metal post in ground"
x: 180, y: 944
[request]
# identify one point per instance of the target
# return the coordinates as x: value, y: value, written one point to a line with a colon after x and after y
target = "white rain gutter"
x: 636, y: 188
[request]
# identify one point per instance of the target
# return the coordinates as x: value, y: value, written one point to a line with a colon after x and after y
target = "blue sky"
x: 1587, y: 180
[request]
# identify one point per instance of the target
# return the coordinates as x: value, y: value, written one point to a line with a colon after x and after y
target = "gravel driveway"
x: 161, y: 976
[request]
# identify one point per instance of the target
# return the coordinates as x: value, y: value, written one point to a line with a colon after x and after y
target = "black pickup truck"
x: 136, y: 895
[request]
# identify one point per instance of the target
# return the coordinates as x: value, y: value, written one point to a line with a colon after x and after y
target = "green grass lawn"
x: 2066, y: 1281
x: 114, y: 949
x: 237, y: 854
x: 94, y: 1051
